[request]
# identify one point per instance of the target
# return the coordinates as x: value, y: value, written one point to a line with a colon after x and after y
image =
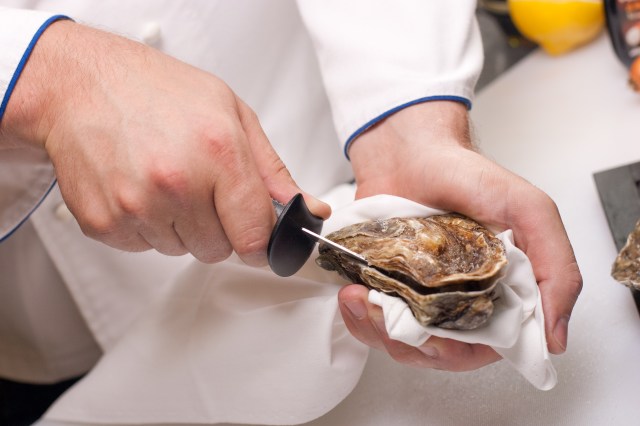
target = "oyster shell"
x: 626, y: 267
x: 445, y: 266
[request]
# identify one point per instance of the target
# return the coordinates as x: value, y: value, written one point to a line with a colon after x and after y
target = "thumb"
x: 272, y: 169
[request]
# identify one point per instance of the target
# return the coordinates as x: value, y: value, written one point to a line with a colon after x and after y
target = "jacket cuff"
x: 26, y: 174
x: 374, y: 121
x: 376, y: 56
x: 20, y: 30
x: 26, y: 177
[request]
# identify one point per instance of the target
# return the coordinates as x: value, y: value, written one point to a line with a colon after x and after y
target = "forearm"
x: 67, y: 62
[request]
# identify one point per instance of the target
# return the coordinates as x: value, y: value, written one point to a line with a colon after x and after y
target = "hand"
x: 149, y: 152
x: 428, y: 157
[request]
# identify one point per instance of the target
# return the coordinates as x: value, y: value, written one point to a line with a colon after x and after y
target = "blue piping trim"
x: 7, y: 95
x: 386, y: 114
x: 15, y: 228
x: 23, y: 60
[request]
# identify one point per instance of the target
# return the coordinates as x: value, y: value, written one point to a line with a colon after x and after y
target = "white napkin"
x: 230, y: 343
x: 516, y: 328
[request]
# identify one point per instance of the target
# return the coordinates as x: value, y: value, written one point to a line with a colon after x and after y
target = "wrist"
x: 27, y: 115
x: 384, y: 150
x: 67, y: 63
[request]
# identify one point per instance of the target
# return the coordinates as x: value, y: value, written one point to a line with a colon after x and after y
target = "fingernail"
x: 357, y: 308
x: 430, y: 351
x: 560, y: 332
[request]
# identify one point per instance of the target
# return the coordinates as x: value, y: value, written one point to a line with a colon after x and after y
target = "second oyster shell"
x: 626, y: 267
x: 445, y: 266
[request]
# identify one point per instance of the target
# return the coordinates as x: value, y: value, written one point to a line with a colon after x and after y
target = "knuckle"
x: 221, y: 140
x: 549, y: 204
x: 278, y: 170
x: 130, y: 202
x: 575, y: 281
x: 252, y: 241
x: 577, y: 288
x: 168, y: 178
x: 249, y: 113
x: 402, y: 353
x: 544, y: 201
x: 97, y: 226
x: 105, y: 229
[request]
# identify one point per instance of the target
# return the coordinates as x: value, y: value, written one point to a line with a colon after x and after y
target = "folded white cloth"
x: 515, y: 330
x: 230, y: 343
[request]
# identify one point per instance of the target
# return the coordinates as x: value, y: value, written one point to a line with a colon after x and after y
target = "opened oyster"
x: 626, y: 268
x: 445, y: 267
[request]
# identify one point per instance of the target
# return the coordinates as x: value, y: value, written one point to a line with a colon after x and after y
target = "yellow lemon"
x: 556, y: 25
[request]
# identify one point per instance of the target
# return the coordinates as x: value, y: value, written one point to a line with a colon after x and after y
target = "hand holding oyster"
x: 445, y: 266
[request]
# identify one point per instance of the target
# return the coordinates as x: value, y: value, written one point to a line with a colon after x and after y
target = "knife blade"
x: 294, y: 237
x: 335, y: 246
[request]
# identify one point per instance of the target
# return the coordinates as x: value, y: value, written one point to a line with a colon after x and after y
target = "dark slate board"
x: 619, y: 190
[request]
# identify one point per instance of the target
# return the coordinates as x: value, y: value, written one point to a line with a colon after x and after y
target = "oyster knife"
x: 294, y: 237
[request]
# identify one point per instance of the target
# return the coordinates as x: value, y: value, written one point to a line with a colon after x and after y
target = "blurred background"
x: 511, y: 29
x: 503, y: 43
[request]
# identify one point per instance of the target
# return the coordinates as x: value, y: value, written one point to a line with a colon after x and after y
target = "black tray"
x: 619, y: 190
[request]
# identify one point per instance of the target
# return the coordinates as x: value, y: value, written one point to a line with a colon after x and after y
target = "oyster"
x: 626, y: 267
x: 445, y: 266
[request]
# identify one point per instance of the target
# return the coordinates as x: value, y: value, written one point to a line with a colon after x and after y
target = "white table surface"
x: 554, y: 121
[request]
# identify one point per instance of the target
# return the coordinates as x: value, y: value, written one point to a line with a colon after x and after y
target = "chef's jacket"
x: 317, y: 73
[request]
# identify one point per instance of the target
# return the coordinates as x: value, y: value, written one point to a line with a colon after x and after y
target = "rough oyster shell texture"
x: 445, y: 266
x: 626, y: 267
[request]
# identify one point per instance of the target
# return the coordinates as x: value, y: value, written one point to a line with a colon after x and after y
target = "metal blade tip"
x: 336, y: 246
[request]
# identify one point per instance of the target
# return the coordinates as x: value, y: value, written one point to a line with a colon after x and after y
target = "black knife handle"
x: 289, y: 247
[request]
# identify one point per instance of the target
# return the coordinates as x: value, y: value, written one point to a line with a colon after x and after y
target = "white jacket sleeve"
x: 378, y: 56
x: 26, y: 175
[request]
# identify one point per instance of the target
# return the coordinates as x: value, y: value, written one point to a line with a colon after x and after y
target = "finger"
x: 175, y: 208
x: 150, y: 213
x: 354, y: 308
x: 422, y: 357
x: 547, y: 245
x: 538, y: 231
x: 201, y: 232
x: 453, y: 355
x: 240, y: 197
x: 365, y: 321
x: 121, y: 237
x: 163, y: 238
x: 97, y: 219
x: 273, y: 171
x: 196, y: 221
x: 437, y: 352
